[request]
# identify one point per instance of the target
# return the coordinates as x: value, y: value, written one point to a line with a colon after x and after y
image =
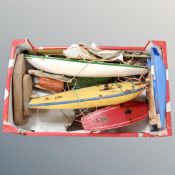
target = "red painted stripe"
x: 169, y: 123
x: 16, y: 42
x: 6, y: 101
x: 9, y: 129
x: 81, y: 134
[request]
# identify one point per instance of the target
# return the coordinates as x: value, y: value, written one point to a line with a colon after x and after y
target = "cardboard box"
x: 8, y: 125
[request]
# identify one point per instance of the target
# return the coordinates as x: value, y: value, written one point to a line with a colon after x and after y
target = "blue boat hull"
x: 158, y: 71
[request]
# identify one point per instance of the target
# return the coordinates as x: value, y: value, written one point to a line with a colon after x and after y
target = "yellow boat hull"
x: 95, y: 96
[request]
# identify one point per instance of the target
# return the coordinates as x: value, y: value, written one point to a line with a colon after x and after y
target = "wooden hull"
x: 115, y: 116
x: 89, y: 97
x: 49, y: 84
x: 81, y: 68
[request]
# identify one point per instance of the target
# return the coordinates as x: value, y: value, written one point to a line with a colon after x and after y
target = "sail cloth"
x: 85, y: 52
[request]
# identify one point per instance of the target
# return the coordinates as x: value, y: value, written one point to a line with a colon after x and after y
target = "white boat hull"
x: 84, y: 69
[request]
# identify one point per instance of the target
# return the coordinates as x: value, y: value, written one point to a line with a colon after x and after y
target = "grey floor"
x: 111, y: 22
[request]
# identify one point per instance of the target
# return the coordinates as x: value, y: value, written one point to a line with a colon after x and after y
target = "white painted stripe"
x: 153, y: 72
x: 6, y: 123
x: 167, y: 76
x: 159, y: 50
x: 41, y: 48
x: 11, y: 63
x: 140, y: 134
x: 6, y: 94
x: 162, y: 133
x: 168, y: 107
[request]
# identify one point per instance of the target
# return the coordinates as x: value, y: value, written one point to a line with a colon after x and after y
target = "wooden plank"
x: 27, y: 92
x: 19, y: 71
x: 153, y: 117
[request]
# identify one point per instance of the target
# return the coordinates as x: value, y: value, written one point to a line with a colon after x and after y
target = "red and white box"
x: 9, y: 127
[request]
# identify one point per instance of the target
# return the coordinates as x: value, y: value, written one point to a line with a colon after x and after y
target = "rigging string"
x: 39, y: 121
x: 82, y: 111
x: 127, y: 79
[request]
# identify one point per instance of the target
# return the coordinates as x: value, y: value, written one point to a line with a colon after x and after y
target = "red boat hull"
x: 115, y: 116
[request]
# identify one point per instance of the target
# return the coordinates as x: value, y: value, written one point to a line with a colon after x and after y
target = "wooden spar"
x: 154, y: 118
x: 132, y: 55
x: 48, y: 75
x: 59, y: 52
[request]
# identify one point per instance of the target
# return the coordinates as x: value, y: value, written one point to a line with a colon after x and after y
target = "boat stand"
x: 22, y: 90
